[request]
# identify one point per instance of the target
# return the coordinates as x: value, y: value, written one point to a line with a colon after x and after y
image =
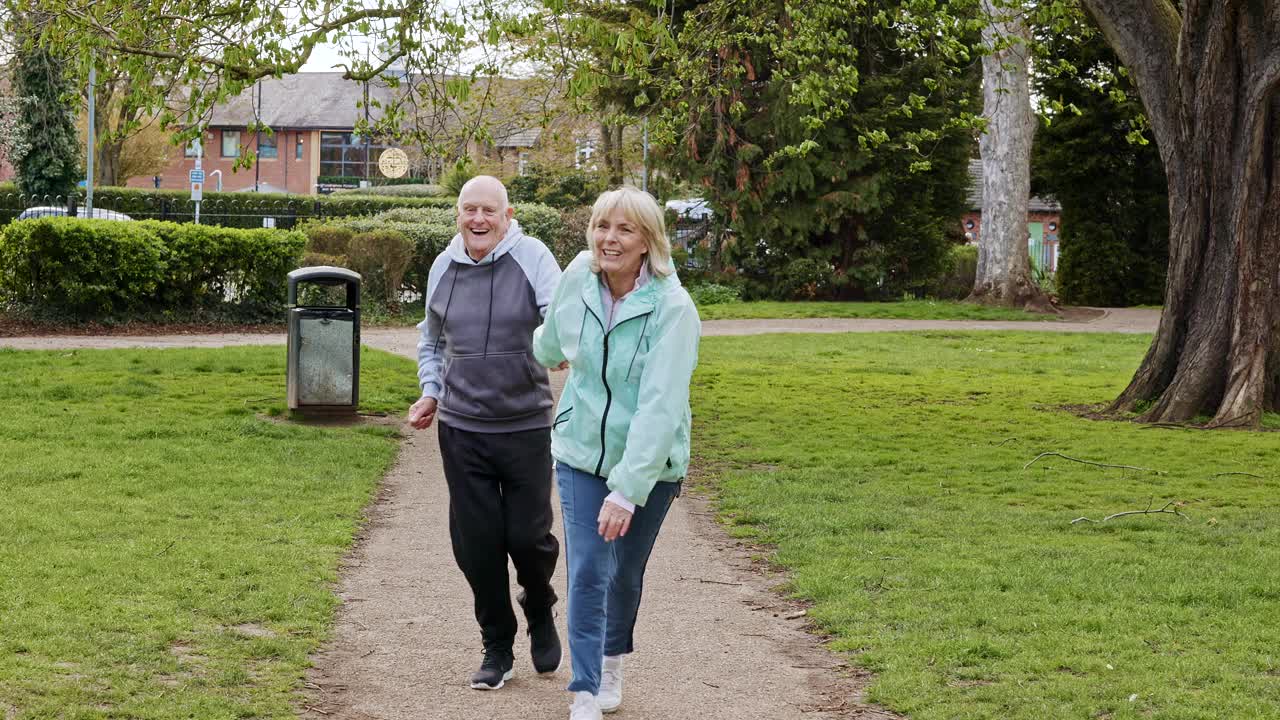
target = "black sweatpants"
x: 500, y: 506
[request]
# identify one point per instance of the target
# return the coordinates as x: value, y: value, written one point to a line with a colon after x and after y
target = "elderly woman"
x: 629, y: 331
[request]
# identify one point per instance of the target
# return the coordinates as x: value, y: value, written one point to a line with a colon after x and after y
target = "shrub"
x: 431, y: 229
x: 240, y: 273
x: 96, y: 269
x: 564, y: 189
x: 84, y: 268
x: 226, y: 209
x: 540, y: 221
x: 432, y: 216
x: 314, y: 259
x: 714, y: 294
x: 328, y: 239
x: 382, y: 258
x: 415, y: 190
x: 458, y: 175
x: 957, y: 281
x: 803, y: 279
x: 354, y: 180
x: 572, y: 237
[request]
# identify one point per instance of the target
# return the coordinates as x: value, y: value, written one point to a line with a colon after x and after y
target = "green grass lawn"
x: 904, y: 310
x: 769, y: 310
x: 167, y: 549
x: 887, y: 471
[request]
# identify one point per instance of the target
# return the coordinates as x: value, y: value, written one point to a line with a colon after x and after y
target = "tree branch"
x: 1144, y: 33
x: 1088, y: 462
x: 1162, y: 511
x: 252, y: 72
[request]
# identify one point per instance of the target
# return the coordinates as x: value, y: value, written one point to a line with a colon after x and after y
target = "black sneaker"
x: 495, y: 670
x: 544, y: 641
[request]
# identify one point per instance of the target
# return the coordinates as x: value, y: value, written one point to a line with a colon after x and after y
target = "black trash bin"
x: 324, y: 345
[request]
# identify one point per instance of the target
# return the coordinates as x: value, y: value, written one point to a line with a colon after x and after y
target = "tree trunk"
x: 1209, y: 79
x: 611, y: 152
x: 1004, y: 268
x: 109, y: 163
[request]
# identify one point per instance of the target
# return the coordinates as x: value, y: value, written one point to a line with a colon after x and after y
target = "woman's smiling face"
x: 620, y: 244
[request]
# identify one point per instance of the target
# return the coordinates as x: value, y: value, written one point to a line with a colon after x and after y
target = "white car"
x: 61, y: 211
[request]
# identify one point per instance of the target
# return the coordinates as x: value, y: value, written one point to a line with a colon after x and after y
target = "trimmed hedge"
x: 243, y: 210
x: 403, y: 190
x: 431, y: 229
x: 354, y: 180
x: 98, y: 269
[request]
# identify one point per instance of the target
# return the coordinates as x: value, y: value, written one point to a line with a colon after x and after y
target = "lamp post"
x: 88, y: 180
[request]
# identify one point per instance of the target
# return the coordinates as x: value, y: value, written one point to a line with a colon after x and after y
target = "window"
x: 297, y: 147
x: 342, y: 154
x: 230, y: 143
x: 267, y: 149
x: 586, y: 150
x: 523, y: 165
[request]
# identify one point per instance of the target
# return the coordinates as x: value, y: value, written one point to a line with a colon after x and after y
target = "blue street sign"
x: 196, y: 176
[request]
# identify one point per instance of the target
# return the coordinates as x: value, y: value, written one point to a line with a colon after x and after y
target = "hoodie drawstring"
x: 489, y: 325
x: 440, y: 336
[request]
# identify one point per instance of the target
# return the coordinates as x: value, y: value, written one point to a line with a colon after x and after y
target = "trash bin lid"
x: 323, y: 273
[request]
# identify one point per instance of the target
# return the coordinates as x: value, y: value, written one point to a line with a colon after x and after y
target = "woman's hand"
x: 614, y: 521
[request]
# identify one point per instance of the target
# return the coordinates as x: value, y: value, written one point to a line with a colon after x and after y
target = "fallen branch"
x: 1009, y: 440
x: 1088, y: 462
x: 711, y: 582
x: 1236, y: 473
x: 1162, y: 511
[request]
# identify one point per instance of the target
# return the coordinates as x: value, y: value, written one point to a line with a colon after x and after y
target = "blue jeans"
x: 605, y: 579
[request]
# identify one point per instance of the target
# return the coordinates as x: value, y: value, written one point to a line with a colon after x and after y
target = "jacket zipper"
x: 608, y: 400
x: 604, y: 378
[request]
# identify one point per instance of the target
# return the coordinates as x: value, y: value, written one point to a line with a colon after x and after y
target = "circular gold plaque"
x: 393, y: 162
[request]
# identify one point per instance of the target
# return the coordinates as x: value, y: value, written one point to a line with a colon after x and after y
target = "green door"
x: 1035, y: 245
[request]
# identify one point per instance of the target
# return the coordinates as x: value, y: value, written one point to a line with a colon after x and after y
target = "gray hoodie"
x: 475, y: 354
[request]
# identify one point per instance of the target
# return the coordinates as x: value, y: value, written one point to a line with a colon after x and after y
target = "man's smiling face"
x: 483, y: 215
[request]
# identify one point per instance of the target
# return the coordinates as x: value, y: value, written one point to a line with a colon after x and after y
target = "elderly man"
x: 485, y: 295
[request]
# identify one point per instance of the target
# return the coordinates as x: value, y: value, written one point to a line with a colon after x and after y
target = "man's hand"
x: 422, y: 413
x: 614, y: 521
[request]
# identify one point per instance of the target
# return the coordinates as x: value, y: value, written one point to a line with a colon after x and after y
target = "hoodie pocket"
x: 495, y: 386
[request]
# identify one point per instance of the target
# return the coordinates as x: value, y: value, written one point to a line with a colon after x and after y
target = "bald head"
x: 483, y: 215
x: 484, y: 186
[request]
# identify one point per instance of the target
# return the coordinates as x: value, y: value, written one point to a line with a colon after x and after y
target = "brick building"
x: 1044, y: 220
x: 312, y: 117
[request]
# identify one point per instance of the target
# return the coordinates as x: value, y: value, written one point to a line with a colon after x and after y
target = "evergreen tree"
x: 50, y: 164
x: 1113, y: 191
x: 866, y: 210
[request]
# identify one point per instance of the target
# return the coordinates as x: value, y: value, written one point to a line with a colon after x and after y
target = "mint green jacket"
x: 624, y: 413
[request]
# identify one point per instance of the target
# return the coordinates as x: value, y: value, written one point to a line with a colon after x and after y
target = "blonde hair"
x: 640, y: 208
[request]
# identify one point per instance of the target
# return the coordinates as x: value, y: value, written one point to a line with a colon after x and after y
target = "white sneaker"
x: 610, y: 697
x: 584, y: 707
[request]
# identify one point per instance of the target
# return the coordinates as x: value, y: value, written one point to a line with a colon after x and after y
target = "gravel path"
x: 403, y: 340
x: 714, y: 640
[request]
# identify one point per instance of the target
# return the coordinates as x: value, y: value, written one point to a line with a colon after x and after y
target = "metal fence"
x: 1043, y: 253
x: 248, y: 212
